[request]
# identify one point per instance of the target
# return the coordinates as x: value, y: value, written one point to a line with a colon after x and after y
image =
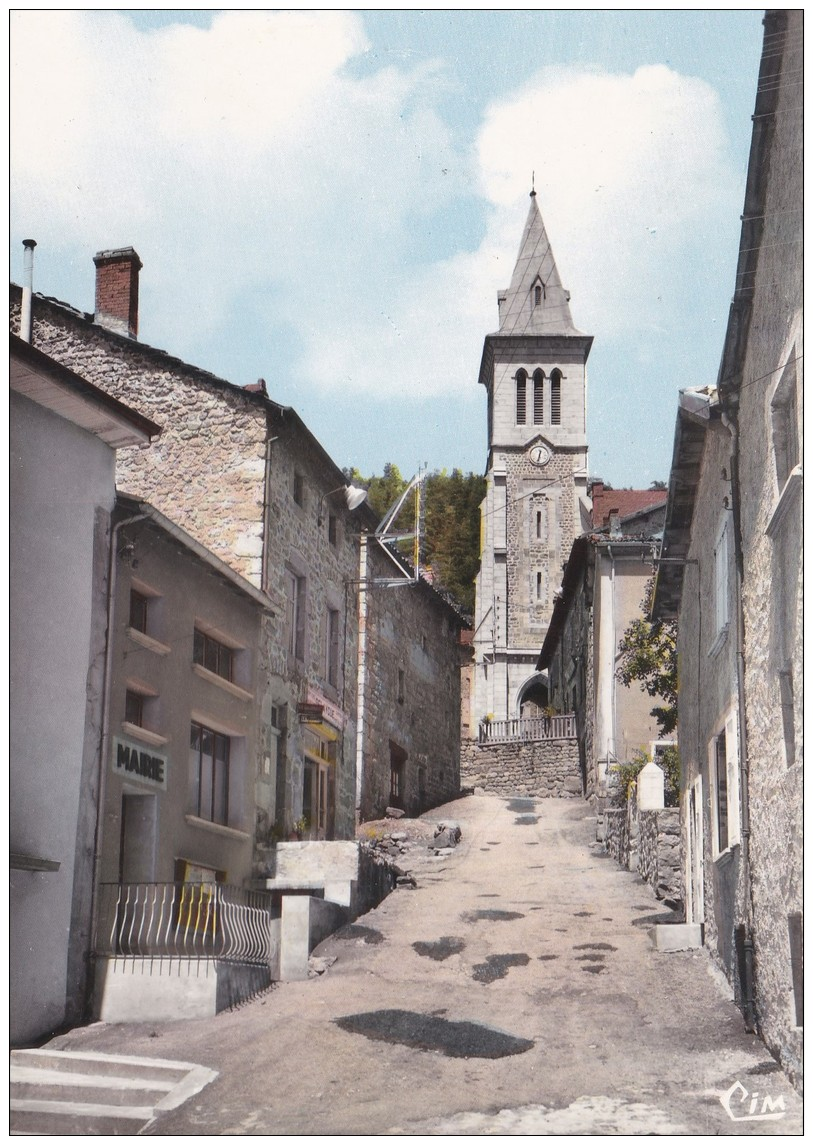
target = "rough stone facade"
x: 245, y: 478
x: 761, y: 387
x: 741, y: 655
x: 411, y: 729
x: 548, y: 768
x: 647, y: 841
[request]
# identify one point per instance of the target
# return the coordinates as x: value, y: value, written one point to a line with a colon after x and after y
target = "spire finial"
x: 533, y: 186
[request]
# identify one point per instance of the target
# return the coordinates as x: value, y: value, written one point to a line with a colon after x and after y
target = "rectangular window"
x: 332, y: 530
x: 721, y: 790
x: 538, y: 587
x: 788, y: 724
x: 721, y: 581
x: 134, y: 708
x: 398, y: 759
x: 210, y: 773
x: 401, y: 686
x: 332, y: 647
x: 299, y: 489
x: 139, y: 604
x: 795, y: 933
x: 724, y: 776
x: 213, y: 656
x: 784, y: 419
x: 295, y: 614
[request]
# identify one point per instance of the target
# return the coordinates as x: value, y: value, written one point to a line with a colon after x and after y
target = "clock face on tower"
x: 539, y: 454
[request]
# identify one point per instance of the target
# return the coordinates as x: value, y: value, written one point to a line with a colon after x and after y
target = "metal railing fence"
x: 557, y: 726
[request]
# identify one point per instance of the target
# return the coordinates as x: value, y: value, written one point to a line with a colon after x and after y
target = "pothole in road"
x: 525, y: 819
x: 497, y: 966
x: 547, y: 958
x: 582, y: 914
x: 357, y: 931
x: 440, y: 949
x: 492, y: 914
x: 494, y: 843
x: 423, y: 1031
x: 590, y: 958
x: 595, y: 947
x: 594, y: 969
x: 522, y: 805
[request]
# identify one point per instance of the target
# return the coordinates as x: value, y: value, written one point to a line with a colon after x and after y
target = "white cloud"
x: 247, y: 157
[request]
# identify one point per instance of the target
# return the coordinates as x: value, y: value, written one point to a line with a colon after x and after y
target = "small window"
x: 784, y: 422
x: 537, y: 295
x: 332, y: 647
x: 724, y: 776
x: 401, y: 686
x: 795, y: 935
x: 332, y: 530
x: 721, y: 581
x: 521, y: 381
x: 134, y: 708
x: 210, y: 754
x: 295, y: 614
x: 139, y: 608
x: 538, y: 587
x: 299, y: 489
x: 398, y: 759
x: 213, y: 655
x: 787, y: 708
x: 539, y: 398
x: 556, y: 397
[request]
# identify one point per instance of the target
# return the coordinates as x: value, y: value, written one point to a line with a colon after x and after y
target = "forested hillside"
x: 450, y: 529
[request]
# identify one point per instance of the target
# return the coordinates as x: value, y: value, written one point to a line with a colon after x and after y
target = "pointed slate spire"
x: 535, y: 303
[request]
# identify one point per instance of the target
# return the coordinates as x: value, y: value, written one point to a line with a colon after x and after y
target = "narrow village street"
x: 515, y: 989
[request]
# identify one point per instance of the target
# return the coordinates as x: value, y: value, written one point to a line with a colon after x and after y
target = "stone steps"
x: 67, y: 1091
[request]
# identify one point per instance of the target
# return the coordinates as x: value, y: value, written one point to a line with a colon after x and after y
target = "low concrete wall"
x: 306, y: 921
x: 152, y: 990
x: 546, y: 768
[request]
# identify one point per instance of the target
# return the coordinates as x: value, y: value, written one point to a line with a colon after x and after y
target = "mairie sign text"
x: 141, y: 764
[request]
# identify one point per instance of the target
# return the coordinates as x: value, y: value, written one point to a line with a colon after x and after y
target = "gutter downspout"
x: 749, y: 1009
x: 112, y: 576
x: 28, y: 290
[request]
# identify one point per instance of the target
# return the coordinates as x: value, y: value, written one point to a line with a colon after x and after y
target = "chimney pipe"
x: 28, y: 289
x: 117, y: 290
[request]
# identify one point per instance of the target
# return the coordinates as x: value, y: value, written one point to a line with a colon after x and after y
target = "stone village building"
x: 603, y: 586
x: 64, y: 436
x: 238, y: 481
x: 731, y: 574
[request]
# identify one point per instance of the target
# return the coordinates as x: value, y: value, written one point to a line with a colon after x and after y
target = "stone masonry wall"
x: 548, y: 768
x: 412, y: 697
x: 660, y: 860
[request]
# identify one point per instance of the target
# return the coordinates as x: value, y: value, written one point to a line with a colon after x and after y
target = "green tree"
x: 648, y: 656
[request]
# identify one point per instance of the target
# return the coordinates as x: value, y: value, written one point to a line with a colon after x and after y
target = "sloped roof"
x: 625, y: 502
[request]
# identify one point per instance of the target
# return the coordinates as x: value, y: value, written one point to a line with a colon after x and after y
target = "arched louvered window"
x: 522, y: 382
x: 539, y: 397
x: 555, y: 397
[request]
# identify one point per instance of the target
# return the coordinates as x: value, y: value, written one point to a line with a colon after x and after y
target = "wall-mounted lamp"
x: 353, y: 497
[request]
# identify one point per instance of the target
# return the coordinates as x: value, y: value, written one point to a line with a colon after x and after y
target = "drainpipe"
x: 28, y: 290
x: 112, y: 575
x: 749, y: 1007
x: 361, y: 680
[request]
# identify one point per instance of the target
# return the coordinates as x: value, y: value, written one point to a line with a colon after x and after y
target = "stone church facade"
x: 534, y: 372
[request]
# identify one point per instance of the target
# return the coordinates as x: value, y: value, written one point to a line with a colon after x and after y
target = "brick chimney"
x: 117, y: 290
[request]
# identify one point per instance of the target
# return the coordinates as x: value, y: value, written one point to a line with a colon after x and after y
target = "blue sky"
x: 330, y: 200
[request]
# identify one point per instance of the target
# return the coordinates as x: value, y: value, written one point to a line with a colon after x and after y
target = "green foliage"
x: 450, y: 545
x: 669, y: 761
x: 648, y: 654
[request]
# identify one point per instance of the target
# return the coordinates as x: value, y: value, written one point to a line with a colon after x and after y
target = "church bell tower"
x: 534, y: 372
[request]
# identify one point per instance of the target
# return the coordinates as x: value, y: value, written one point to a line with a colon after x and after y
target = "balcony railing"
x: 528, y: 729
x: 187, y: 921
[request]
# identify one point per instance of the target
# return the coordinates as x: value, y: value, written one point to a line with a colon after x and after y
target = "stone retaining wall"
x: 546, y: 768
x: 659, y: 852
x: 647, y: 841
